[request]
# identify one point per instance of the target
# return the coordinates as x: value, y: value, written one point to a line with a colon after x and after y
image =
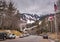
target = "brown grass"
x: 12, y: 31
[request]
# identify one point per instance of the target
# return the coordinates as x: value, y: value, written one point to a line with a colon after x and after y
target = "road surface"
x: 28, y: 39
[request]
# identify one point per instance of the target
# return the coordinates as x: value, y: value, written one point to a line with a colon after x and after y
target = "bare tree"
x: 9, y: 16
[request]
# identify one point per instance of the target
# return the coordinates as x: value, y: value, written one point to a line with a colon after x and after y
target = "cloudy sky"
x: 35, y: 6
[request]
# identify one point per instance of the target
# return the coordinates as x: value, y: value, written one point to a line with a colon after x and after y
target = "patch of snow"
x: 28, y: 21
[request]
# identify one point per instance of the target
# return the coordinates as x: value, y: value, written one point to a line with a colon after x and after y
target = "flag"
x: 55, y: 7
x: 50, y: 18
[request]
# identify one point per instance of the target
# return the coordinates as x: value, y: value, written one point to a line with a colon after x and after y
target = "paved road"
x: 28, y: 39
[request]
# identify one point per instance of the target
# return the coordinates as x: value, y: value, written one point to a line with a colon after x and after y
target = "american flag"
x: 55, y: 7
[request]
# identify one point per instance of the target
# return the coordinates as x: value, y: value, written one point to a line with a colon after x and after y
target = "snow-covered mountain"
x: 29, y: 18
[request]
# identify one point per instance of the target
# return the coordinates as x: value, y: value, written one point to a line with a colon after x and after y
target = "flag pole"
x: 56, y: 28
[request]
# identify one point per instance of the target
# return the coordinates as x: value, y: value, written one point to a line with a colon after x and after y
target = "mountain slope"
x: 30, y: 18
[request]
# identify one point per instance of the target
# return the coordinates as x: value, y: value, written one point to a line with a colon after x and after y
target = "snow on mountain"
x: 29, y: 18
x: 30, y: 22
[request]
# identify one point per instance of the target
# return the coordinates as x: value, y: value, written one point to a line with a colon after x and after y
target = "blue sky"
x: 35, y: 6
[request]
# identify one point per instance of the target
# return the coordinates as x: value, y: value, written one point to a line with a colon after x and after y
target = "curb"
x: 17, y: 36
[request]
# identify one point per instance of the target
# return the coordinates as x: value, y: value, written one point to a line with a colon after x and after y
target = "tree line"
x: 9, y: 16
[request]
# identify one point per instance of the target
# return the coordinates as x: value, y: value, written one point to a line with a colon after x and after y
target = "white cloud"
x: 35, y: 6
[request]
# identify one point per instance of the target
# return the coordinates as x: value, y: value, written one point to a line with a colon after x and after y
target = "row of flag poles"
x: 55, y: 21
x: 51, y: 18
